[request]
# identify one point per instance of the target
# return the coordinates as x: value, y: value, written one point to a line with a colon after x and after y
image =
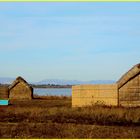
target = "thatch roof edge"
x: 134, y: 71
x: 19, y: 79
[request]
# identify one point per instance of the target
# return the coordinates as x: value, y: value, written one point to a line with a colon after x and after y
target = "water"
x: 53, y: 91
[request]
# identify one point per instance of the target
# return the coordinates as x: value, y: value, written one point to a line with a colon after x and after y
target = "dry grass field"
x: 53, y: 117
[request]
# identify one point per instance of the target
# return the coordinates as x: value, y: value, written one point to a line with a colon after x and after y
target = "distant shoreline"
x: 51, y: 86
x: 45, y: 86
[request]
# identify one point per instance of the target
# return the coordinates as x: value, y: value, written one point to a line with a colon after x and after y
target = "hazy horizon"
x: 8, y: 80
x: 69, y: 40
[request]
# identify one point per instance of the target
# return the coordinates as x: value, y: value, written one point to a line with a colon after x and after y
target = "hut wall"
x: 20, y: 91
x: 86, y: 95
x: 3, y: 92
x: 129, y: 94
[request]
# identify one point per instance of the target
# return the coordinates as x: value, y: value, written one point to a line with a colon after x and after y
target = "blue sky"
x: 73, y: 41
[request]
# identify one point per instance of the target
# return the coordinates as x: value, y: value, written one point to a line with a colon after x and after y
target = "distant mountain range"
x: 73, y: 82
x: 7, y: 80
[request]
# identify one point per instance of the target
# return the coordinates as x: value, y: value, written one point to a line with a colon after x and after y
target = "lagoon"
x: 53, y: 91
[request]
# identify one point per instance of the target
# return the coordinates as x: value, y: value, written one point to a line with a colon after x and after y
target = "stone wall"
x: 3, y: 92
x: 86, y: 95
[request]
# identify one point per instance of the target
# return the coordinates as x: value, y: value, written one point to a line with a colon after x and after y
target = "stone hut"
x: 129, y: 87
x: 20, y: 89
x: 125, y: 92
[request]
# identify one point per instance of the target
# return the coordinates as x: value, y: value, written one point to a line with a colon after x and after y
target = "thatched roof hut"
x: 129, y: 87
x: 20, y: 89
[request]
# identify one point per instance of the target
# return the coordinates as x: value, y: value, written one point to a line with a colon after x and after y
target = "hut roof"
x: 18, y: 80
x: 133, y: 72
